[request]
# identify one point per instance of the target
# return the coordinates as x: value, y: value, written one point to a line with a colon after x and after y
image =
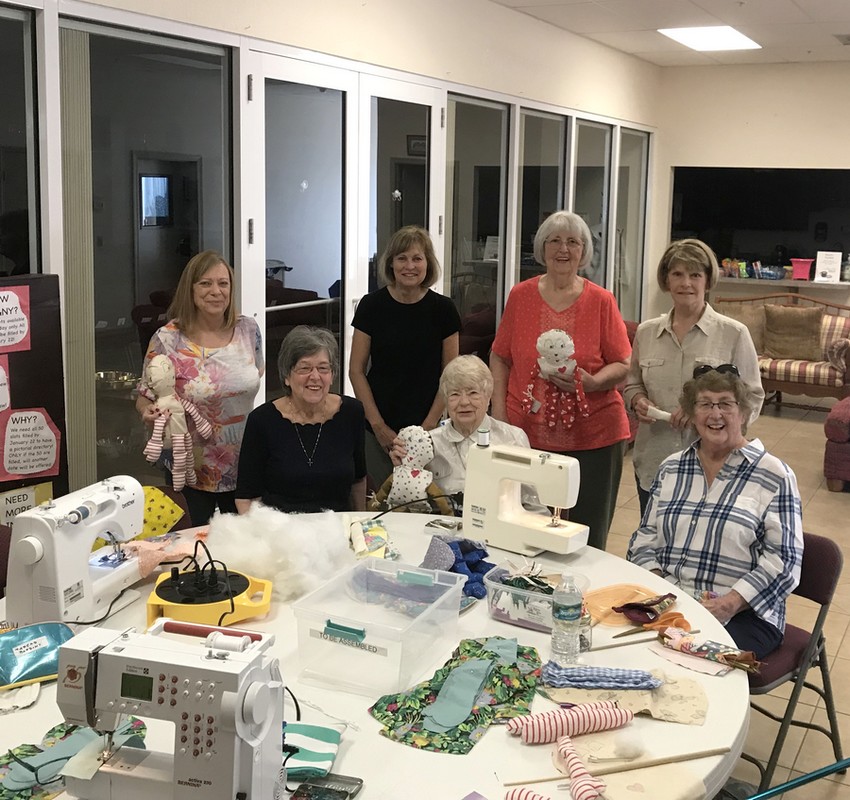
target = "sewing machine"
x: 53, y: 573
x: 492, y: 507
x: 221, y: 690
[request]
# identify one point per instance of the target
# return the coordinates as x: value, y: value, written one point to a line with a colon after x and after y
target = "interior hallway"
x: 796, y: 436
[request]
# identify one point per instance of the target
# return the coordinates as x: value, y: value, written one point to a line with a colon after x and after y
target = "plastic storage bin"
x: 377, y: 627
x: 520, y: 607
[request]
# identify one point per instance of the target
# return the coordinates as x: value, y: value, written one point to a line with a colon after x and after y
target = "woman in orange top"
x: 581, y: 415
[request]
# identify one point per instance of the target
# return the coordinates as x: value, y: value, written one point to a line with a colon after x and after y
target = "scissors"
x: 669, y: 619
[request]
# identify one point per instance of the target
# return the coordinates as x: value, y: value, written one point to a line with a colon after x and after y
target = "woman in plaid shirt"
x: 724, y: 518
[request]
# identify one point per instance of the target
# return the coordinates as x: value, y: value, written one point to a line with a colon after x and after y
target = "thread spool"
x: 483, y: 437
x: 221, y: 641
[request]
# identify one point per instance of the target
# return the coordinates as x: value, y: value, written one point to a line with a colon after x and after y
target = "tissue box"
x: 377, y: 627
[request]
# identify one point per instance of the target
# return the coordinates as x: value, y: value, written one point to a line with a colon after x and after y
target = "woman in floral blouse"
x: 218, y: 361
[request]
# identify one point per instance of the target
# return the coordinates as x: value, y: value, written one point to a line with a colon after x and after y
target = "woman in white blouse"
x: 466, y: 385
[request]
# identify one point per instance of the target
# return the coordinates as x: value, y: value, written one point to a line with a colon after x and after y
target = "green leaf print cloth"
x: 507, y: 692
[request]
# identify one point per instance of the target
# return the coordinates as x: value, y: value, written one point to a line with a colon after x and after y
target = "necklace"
x: 315, y: 444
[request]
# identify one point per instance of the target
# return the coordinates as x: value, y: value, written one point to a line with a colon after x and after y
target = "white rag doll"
x: 556, y: 349
x: 170, y: 429
x: 410, y: 479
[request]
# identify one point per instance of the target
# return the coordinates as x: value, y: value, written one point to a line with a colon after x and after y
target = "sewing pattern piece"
x: 552, y: 725
x: 506, y: 692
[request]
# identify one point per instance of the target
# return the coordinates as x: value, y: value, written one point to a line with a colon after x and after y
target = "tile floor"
x: 795, y: 434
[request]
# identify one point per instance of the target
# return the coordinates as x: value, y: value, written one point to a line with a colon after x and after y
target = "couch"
x: 803, y: 343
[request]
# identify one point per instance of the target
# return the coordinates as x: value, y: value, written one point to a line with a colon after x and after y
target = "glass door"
x: 592, y: 191
x: 401, y: 124
x: 297, y: 259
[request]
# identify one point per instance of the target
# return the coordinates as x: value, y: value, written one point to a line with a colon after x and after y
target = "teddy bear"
x: 555, y: 348
x: 170, y: 428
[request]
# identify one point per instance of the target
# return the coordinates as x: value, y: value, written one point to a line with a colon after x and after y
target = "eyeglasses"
x: 322, y: 369
x: 43, y: 774
x: 723, y: 369
x: 472, y: 395
x: 557, y: 243
x: 723, y: 406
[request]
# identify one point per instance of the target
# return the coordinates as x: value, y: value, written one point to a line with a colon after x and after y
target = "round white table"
x: 391, y: 771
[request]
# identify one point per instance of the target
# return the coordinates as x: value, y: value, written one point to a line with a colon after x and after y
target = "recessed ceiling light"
x: 715, y: 37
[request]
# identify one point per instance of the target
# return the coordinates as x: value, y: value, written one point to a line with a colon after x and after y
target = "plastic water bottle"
x: 566, y: 622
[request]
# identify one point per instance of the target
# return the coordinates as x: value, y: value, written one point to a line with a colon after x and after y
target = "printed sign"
x: 30, y: 444
x: 14, y: 319
x: 27, y: 497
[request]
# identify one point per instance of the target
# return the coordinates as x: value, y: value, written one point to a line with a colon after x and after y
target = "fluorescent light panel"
x: 714, y: 37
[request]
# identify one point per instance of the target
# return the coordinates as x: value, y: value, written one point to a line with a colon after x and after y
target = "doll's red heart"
x: 414, y: 472
x: 562, y: 369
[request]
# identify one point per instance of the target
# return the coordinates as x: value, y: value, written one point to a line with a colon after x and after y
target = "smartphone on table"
x: 328, y: 787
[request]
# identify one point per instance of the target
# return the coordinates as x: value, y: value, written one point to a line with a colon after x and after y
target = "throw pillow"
x: 793, y: 332
x: 751, y: 315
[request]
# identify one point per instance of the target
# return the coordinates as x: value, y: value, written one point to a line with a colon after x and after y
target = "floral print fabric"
x: 506, y: 693
x: 222, y: 383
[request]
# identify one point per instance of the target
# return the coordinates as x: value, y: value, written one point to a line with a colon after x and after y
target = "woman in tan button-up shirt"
x: 668, y: 348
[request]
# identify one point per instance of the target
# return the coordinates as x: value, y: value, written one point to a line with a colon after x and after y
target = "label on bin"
x: 316, y: 633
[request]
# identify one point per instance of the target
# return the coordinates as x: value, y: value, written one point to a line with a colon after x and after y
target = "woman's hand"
x: 640, y: 405
x: 567, y: 384
x: 679, y: 419
x: 147, y: 411
x: 726, y: 606
x: 384, y: 434
x: 397, y: 452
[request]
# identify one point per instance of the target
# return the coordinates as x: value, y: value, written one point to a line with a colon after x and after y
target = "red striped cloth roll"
x: 586, y: 718
x: 583, y: 786
x: 524, y: 794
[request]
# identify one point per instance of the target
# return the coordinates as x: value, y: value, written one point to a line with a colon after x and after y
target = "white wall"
x: 473, y: 42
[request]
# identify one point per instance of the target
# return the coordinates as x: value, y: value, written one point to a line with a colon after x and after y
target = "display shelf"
x: 769, y: 286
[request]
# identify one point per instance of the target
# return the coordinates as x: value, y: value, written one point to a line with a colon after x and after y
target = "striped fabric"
x: 525, y: 794
x: 583, y: 786
x: 317, y: 747
x: 585, y: 718
x: 833, y: 327
x: 816, y: 373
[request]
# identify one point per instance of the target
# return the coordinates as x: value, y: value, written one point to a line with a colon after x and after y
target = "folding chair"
x: 800, y: 650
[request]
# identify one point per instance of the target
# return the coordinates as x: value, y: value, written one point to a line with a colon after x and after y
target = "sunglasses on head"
x: 723, y: 369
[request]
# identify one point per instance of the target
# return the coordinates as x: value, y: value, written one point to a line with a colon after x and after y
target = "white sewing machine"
x: 218, y: 686
x: 53, y: 573
x: 492, y: 508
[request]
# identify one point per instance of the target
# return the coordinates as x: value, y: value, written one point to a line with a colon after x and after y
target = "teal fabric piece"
x: 48, y: 763
x: 456, y: 698
x: 506, y: 649
x: 317, y: 748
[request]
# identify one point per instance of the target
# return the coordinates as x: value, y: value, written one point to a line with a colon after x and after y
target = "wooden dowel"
x: 637, y: 763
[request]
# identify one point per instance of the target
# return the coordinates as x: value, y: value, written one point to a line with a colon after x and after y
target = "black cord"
x: 411, y: 503
x: 294, y: 700
x: 290, y: 751
x: 108, y: 611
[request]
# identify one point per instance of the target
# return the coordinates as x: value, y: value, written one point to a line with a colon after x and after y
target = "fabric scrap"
x: 506, y: 693
x: 597, y: 677
x: 525, y: 794
x: 317, y: 748
x: 457, y: 696
x: 678, y: 699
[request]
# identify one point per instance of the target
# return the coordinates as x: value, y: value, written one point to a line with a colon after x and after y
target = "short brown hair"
x: 400, y: 242
x: 691, y: 253
x: 182, y: 309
